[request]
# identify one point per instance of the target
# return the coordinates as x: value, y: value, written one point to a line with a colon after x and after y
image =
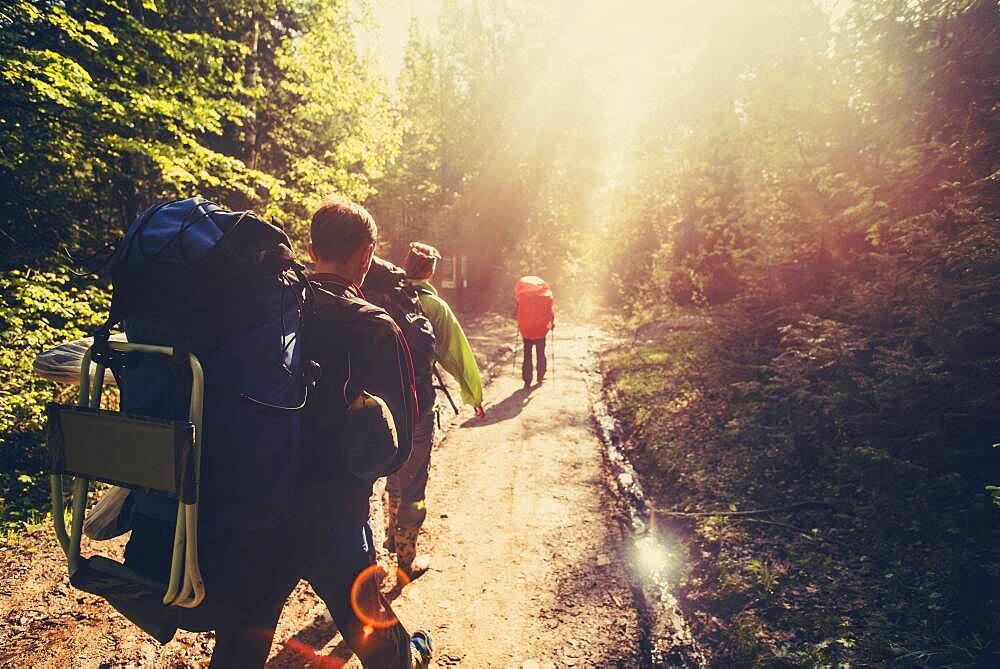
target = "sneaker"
x: 421, y: 648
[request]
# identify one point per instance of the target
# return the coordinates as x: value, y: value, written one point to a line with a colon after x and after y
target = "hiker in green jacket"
x: 406, y: 508
x: 452, y: 349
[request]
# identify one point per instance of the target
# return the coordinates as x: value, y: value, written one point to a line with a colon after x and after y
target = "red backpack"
x: 534, y: 307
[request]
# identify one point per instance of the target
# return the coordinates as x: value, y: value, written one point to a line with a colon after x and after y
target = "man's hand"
x: 480, y: 411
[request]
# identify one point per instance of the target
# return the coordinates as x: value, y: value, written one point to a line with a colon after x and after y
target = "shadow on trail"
x: 300, y: 650
x: 507, y: 408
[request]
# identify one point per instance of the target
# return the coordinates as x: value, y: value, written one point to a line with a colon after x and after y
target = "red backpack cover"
x: 534, y: 307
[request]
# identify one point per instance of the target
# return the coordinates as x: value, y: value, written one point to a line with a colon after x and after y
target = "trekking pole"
x: 440, y: 386
x: 553, y: 333
x: 513, y: 361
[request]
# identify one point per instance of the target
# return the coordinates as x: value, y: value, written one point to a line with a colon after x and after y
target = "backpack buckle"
x: 100, y: 352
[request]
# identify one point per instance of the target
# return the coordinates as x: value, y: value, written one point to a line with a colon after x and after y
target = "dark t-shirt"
x: 359, y: 348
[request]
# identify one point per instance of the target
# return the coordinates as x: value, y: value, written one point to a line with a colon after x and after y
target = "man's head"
x: 421, y: 261
x: 343, y: 236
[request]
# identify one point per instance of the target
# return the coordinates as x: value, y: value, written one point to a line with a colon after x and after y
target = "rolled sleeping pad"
x: 62, y: 363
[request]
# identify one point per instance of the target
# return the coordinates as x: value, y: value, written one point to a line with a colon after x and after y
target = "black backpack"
x: 386, y: 286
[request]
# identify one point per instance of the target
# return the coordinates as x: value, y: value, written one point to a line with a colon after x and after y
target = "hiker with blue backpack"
x: 222, y: 292
x: 365, y: 366
x: 406, y: 505
x: 243, y: 466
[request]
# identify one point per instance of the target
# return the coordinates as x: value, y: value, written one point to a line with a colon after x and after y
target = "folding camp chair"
x: 137, y: 452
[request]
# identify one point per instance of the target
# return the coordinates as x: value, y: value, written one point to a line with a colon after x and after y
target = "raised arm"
x: 452, y: 349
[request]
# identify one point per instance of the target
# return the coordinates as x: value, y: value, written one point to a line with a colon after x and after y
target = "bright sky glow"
x: 392, y: 29
x: 623, y: 45
x: 624, y: 50
x: 619, y: 44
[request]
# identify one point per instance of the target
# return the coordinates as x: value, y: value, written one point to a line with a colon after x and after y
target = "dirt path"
x: 526, y: 559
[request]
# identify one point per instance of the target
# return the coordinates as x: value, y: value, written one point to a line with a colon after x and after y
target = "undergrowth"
x: 901, y: 570
x: 38, y: 310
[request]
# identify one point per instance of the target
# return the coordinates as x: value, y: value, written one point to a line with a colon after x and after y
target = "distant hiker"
x: 361, y: 354
x: 535, y: 318
x: 406, y: 506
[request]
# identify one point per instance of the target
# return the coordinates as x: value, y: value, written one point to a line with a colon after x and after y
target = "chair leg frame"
x: 185, y: 587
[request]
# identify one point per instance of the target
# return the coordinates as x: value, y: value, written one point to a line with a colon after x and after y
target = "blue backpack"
x: 225, y: 286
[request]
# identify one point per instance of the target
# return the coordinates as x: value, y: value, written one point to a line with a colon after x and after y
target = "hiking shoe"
x: 418, y: 567
x: 421, y: 648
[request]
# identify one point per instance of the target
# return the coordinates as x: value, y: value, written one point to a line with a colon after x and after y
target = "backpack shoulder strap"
x: 421, y: 290
x: 319, y: 290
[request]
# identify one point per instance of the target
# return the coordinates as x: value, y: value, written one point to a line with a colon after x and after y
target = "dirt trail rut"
x: 526, y: 557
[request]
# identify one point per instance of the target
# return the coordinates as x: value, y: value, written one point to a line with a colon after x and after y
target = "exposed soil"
x: 526, y: 555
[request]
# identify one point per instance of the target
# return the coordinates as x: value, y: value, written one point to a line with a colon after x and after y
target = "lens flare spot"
x: 367, y: 602
x: 651, y: 556
x: 310, y: 657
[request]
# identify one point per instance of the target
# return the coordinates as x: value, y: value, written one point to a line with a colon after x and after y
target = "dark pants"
x: 371, y: 630
x: 248, y: 576
x: 538, y: 345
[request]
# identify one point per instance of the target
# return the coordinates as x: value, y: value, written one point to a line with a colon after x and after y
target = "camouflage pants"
x: 405, y: 504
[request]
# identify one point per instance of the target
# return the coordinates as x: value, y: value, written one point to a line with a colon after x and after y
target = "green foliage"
x: 105, y: 108
x: 498, y: 156
x: 827, y: 194
x: 38, y: 310
x: 108, y: 107
x: 331, y: 128
x: 905, y: 564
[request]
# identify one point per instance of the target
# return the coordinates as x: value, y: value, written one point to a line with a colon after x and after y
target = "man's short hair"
x: 340, y: 228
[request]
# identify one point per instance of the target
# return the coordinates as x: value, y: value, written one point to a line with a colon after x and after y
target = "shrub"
x: 38, y: 310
